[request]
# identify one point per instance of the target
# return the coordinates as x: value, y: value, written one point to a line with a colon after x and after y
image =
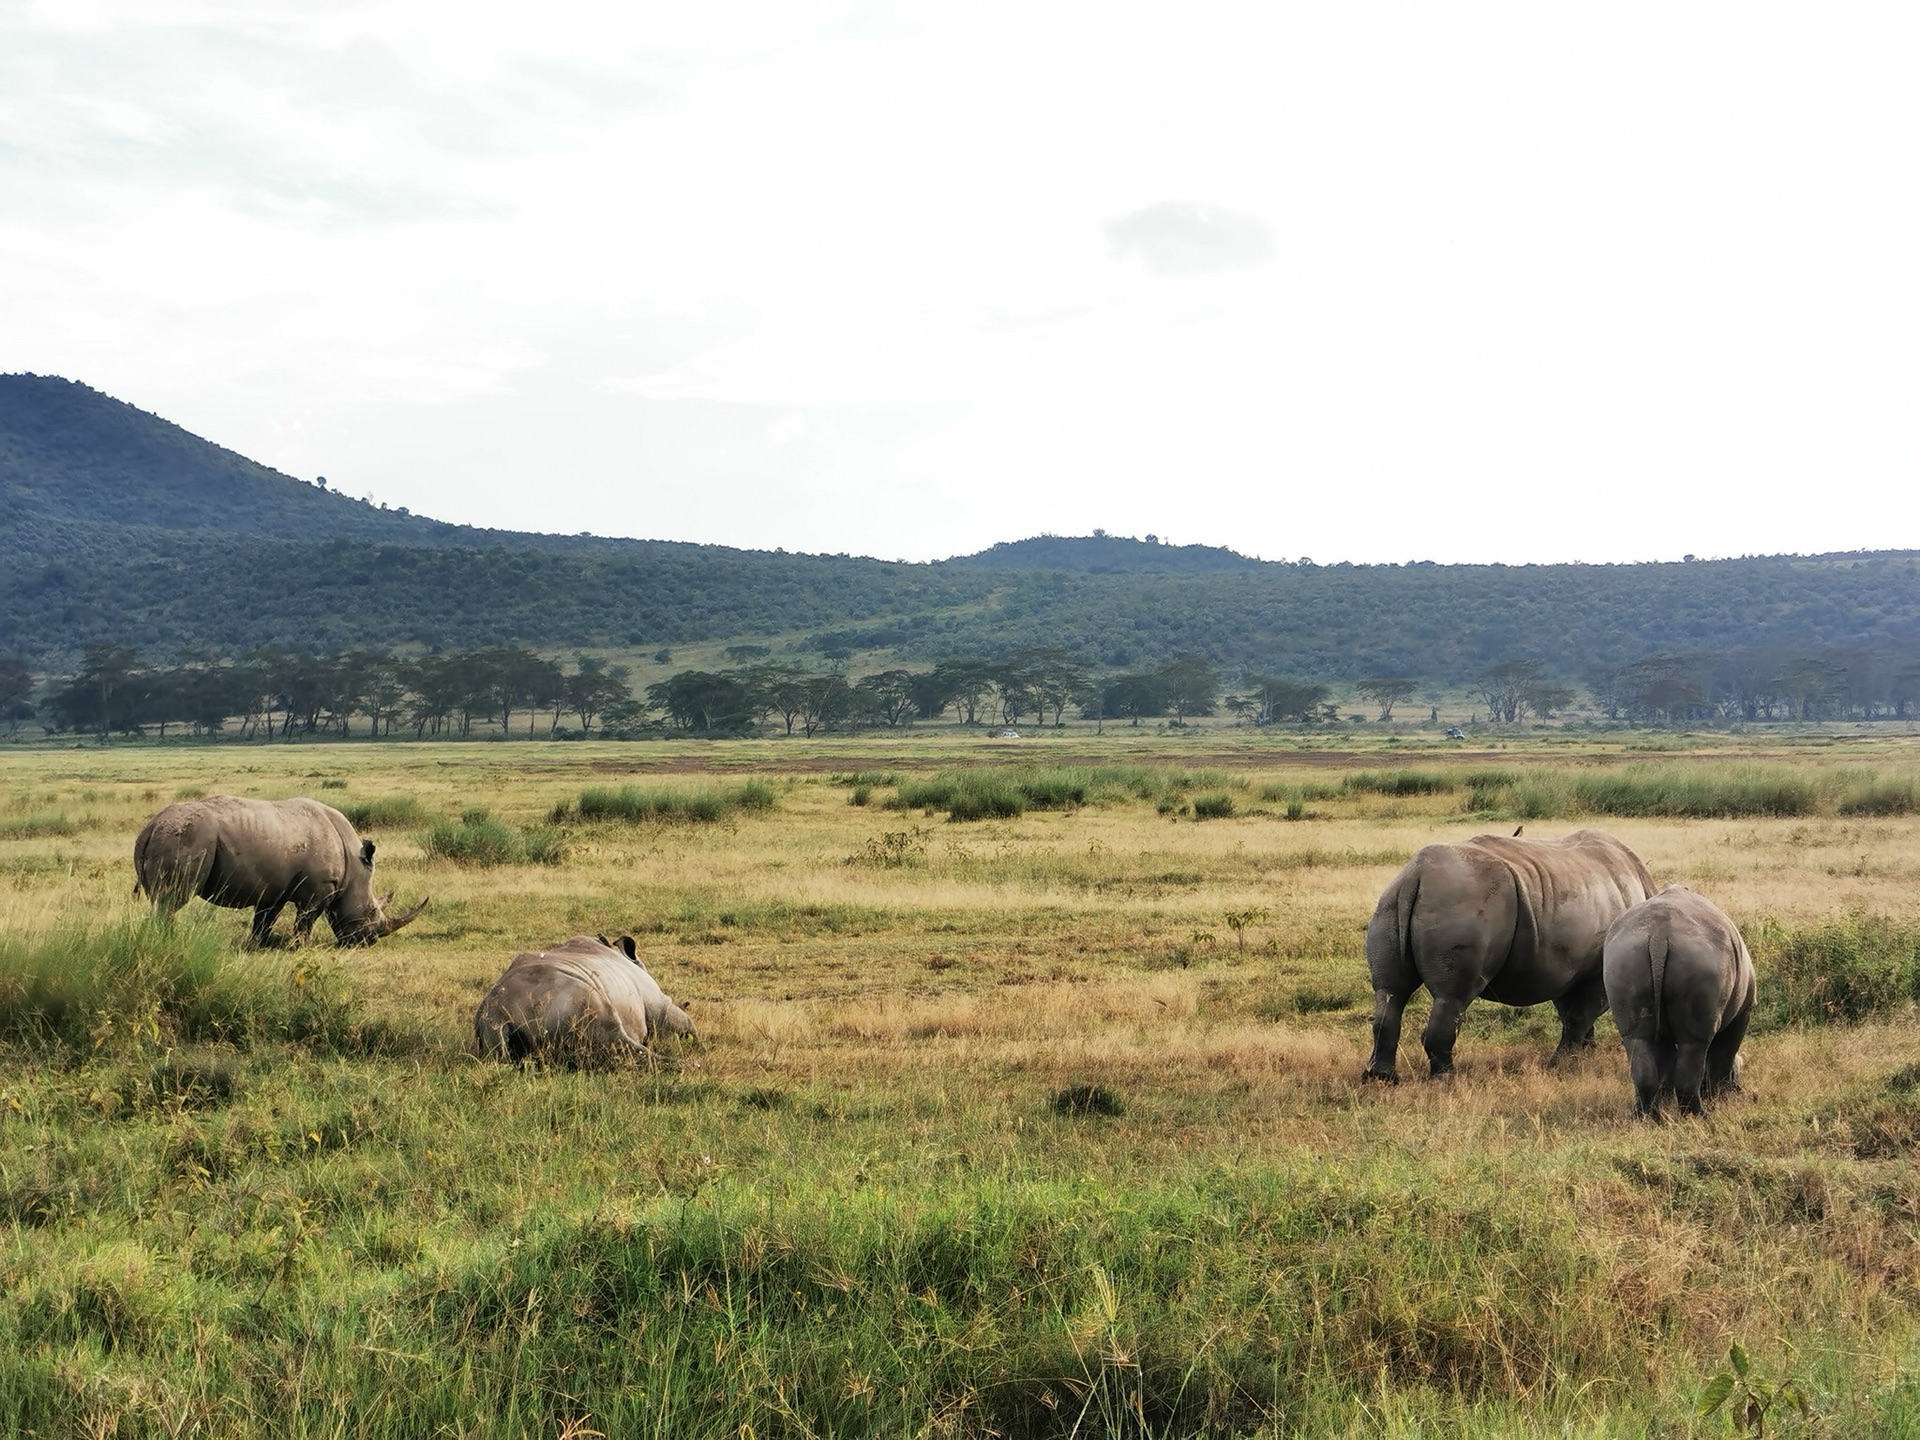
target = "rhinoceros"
x: 583, y: 1001
x: 1517, y: 921
x: 1680, y: 983
x: 264, y: 855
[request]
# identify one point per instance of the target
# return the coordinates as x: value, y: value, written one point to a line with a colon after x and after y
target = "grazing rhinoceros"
x: 263, y: 855
x: 1518, y: 921
x: 580, y: 1002
x: 1680, y: 984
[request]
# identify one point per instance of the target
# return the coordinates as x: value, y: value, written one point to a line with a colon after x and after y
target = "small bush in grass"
x: 1087, y: 1100
x: 636, y: 804
x: 965, y: 795
x: 1215, y: 806
x: 84, y: 988
x: 37, y: 827
x: 1847, y: 969
x: 396, y: 810
x: 1695, y: 792
x: 479, y: 839
x: 1399, y: 782
x: 1486, y: 789
x: 475, y: 839
x: 862, y: 795
x: 1881, y: 797
x: 543, y: 846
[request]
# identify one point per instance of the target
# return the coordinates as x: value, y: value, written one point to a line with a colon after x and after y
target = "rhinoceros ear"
x: 604, y: 941
x: 627, y: 948
x: 366, y: 853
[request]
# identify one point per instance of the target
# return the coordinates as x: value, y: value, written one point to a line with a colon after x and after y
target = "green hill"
x: 118, y: 527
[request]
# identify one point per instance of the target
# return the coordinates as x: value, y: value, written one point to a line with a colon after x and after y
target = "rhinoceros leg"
x: 1723, y: 1052
x: 1578, y: 1009
x: 1443, y: 1026
x: 1388, y: 1007
x: 303, y: 917
x: 1650, y: 1076
x: 1689, y: 1074
x: 264, y: 914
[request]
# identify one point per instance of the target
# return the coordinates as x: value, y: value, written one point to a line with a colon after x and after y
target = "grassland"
x: 1044, y: 1124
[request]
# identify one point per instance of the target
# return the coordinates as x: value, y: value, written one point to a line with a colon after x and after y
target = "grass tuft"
x: 383, y: 811
x: 1087, y: 1100
x: 636, y: 804
x: 479, y: 839
x: 1847, y: 969
x: 88, y: 988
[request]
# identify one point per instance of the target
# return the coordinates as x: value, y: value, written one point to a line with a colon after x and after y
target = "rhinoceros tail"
x: 1657, y: 956
x: 1403, y: 922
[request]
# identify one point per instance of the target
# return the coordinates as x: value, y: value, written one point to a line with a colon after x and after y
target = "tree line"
x: 505, y: 691
x: 501, y: 691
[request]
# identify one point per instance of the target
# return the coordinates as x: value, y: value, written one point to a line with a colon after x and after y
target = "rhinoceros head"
x: 359, y: 916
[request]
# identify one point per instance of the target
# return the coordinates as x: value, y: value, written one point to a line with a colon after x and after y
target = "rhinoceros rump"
x: 1517, y: 921
x: 1680, y: 983
x: 581, y: 1002
x: 265, y: 855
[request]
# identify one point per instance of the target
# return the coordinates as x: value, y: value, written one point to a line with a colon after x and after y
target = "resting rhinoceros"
x: 1680, y: 984
x: 264, y: 855
x: 579, y: 1002
x: 1518, y: 921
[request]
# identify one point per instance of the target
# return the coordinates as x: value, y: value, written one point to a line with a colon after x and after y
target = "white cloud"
x: 1483, y: 282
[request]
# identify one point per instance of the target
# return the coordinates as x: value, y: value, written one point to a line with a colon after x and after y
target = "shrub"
x: 1847, y: 969
x: 862, y: 795
x: 175, y: 982
x: 479, y: 839
x: 964, y: 794
x: 636, y: 804
x: 1881, y: 797
x: 395, y: 810
x: 476, y: 839
x: 37, y: 827
x: 1695, y: 792
x: 1087, y: 1100
x: 1215, y: 806
x: 1399, y: 782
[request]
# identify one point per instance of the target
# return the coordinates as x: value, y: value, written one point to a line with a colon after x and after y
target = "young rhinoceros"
x: 264, y: 855
x: 581, y: 1002
x: 1680, y: 984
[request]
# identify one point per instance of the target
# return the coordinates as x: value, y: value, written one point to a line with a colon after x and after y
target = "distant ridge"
x: 118, y: 527
x: 68, y: 452
x: 1100, y: 554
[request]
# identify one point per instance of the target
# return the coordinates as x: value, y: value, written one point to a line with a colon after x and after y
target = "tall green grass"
x: 479, y: 839
x: 1689, y: 790
x: 637, y: 804
x: 383, y: 811
x: 1849, y: 969
x: 1399, y: 782
x: 84, y: 987
x: 1002, y: 792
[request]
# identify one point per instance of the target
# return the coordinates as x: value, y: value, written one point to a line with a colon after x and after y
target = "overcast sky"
x: 1354, y: 281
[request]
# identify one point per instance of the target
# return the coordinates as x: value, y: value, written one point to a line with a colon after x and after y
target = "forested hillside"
x: 118, y: 528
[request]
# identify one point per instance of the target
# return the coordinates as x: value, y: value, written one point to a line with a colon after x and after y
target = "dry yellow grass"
x: 950, y: 978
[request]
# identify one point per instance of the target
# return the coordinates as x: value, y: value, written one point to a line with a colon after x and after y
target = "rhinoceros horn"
x: 384, y: 923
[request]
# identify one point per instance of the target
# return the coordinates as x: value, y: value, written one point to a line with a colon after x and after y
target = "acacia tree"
x: 594, y: 687
x: 1504, y: 687
x: 965, y: 684
x: 1283, y: 699
x: 1191, y: 686
x: 1387, y: 691
x: 887, y: 694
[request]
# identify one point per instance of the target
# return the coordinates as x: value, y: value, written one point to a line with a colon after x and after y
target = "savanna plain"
x: 1045, y: 1122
